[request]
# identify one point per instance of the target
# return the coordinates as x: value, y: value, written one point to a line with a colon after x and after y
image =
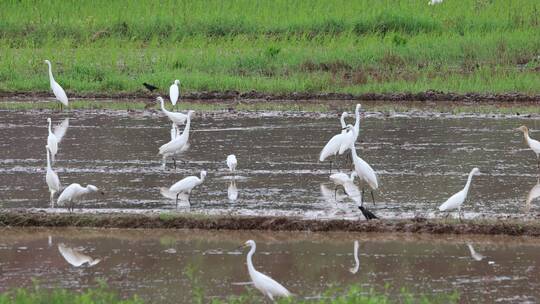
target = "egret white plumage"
x: 265, y: 284
x: 342, y: 120
x: 177, y: 145
x: 364, y: 172
x: 56, y: 137
x: 352, y: 135
x: 59, y: 93
x: 232, y: 191
x: 75, y: 193
x: 356, y: 260
x: 332, y: 147
x: 51, y: 178
x: 475, y: 255
x: 533, y: 193
x: 232, y: 162
x: 456, y: 200
x: 174, y: 92
x: 184, y: 186
x: 176, y: 117
x: 434, y: 2
x: 75, y: 257
x: 340, y: 179
x: 175, y: 131
x: 533, y: 143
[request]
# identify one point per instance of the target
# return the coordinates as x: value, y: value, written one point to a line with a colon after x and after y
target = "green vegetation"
x: 272, y: 46
x: 37, y: 295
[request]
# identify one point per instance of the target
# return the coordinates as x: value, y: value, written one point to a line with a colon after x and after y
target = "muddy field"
x: 420, y: 161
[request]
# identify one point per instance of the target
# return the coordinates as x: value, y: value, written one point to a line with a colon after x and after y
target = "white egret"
x: 176, y: 117
x: 184, y: 186
x: 333, y: 145
x: 456, y: 200
x: 475, y: 255
x: 364, y: 172
x: 174, y: 92
x: 59, y: 93
x: 232, y: 191
x: 342, y: 120
x: 533, y: 143
x: 352, y: 135
x: 177, y: 145
x: 56, y: 137
x: 434, y: 2
x: 265, y: 284
x: 75, y: 257
x: 51, y: 178
x: 533, y: 193
x: 356, y: 260
x: 232, y: 162
x: 74, y: 193
x: 340, y: 179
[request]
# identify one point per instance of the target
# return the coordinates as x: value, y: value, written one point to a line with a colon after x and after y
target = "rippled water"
x: 420, y: 162
x: 153, y: 264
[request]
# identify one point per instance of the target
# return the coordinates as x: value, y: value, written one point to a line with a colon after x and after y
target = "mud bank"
x: 195, y: 221
x: 295, y: 96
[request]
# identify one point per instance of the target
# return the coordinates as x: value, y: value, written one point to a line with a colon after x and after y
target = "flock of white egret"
x: 338, y: 145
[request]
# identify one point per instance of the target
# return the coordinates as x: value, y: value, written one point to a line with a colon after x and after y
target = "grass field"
x: 272, y: 46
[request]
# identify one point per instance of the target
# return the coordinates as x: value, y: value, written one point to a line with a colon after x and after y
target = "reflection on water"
x: 354, y: 269
x: 419, y: 161
x: 75, y: 256
x: 153, y: 264
x: 475, y: 255
x: 232, y: 191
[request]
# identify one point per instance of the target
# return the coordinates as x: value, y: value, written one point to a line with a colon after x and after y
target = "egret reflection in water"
x: 232, y: 191
x: 75, y: 257
x: 354, y: 269
x: 475, y: 255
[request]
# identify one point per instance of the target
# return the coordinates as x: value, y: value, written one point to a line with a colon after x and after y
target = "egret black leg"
x: 335, y: 193
x: 362, y: 198
x: 372, y: 197
x: 330, y: 166
x: 174, y: 161
x: 177, y: 194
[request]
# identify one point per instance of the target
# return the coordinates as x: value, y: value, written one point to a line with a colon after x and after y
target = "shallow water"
x: 420, y: 162
x: 153, y: 264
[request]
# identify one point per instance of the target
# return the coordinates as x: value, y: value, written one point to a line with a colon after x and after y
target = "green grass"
x: 272, y: 46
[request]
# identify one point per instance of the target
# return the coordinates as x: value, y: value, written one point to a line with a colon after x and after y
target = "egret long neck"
x: 48, y: 160
x: 251, y: 269
x: 51, y: 78
x: 188, y: 124
x: 342, y: 119
x: 357, y: 122
x: 50, y: 126
x: 468, y: 184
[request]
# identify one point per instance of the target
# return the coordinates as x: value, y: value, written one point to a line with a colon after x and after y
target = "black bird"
x: 149, y: 87
x: 367, y: 214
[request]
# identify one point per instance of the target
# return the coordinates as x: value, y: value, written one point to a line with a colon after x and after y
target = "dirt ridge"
x: 17, y: 218
x: 430, y: 95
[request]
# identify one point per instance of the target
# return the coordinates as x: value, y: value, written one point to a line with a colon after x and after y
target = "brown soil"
x: 20, y: 218
x: 257, y: 96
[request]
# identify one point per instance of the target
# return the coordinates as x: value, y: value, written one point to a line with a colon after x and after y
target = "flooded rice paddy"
x: 154, y: 264
x: 420, y: 162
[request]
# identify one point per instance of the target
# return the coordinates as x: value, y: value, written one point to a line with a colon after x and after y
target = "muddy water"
x: 420, y: 162
x: 154, y: 264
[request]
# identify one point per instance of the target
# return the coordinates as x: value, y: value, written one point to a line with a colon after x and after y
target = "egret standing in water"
x: 59, y: 93
x: 74, y: 193
x: 456, y: 200
x: 341, y: 179
x: 352, y: 135
x: 232, y: 162
x: 332, y: 147
x: 55, y: 137
x: 174, y: 93
x: 51, y: 178
x: 176, y: 145
x: 184, y: 186
x: 176, y: 117
x: 364, y: 172
x: 533, y: 143
x: 265, y: 284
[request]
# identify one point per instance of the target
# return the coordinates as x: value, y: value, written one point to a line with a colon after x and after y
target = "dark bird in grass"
x: 149, y: 87
x: 367, y: 214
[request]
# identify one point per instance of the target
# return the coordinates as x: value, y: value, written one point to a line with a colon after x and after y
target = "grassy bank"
x: 104, y: 296
x: 25, y: 218
x: 272, y: 46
